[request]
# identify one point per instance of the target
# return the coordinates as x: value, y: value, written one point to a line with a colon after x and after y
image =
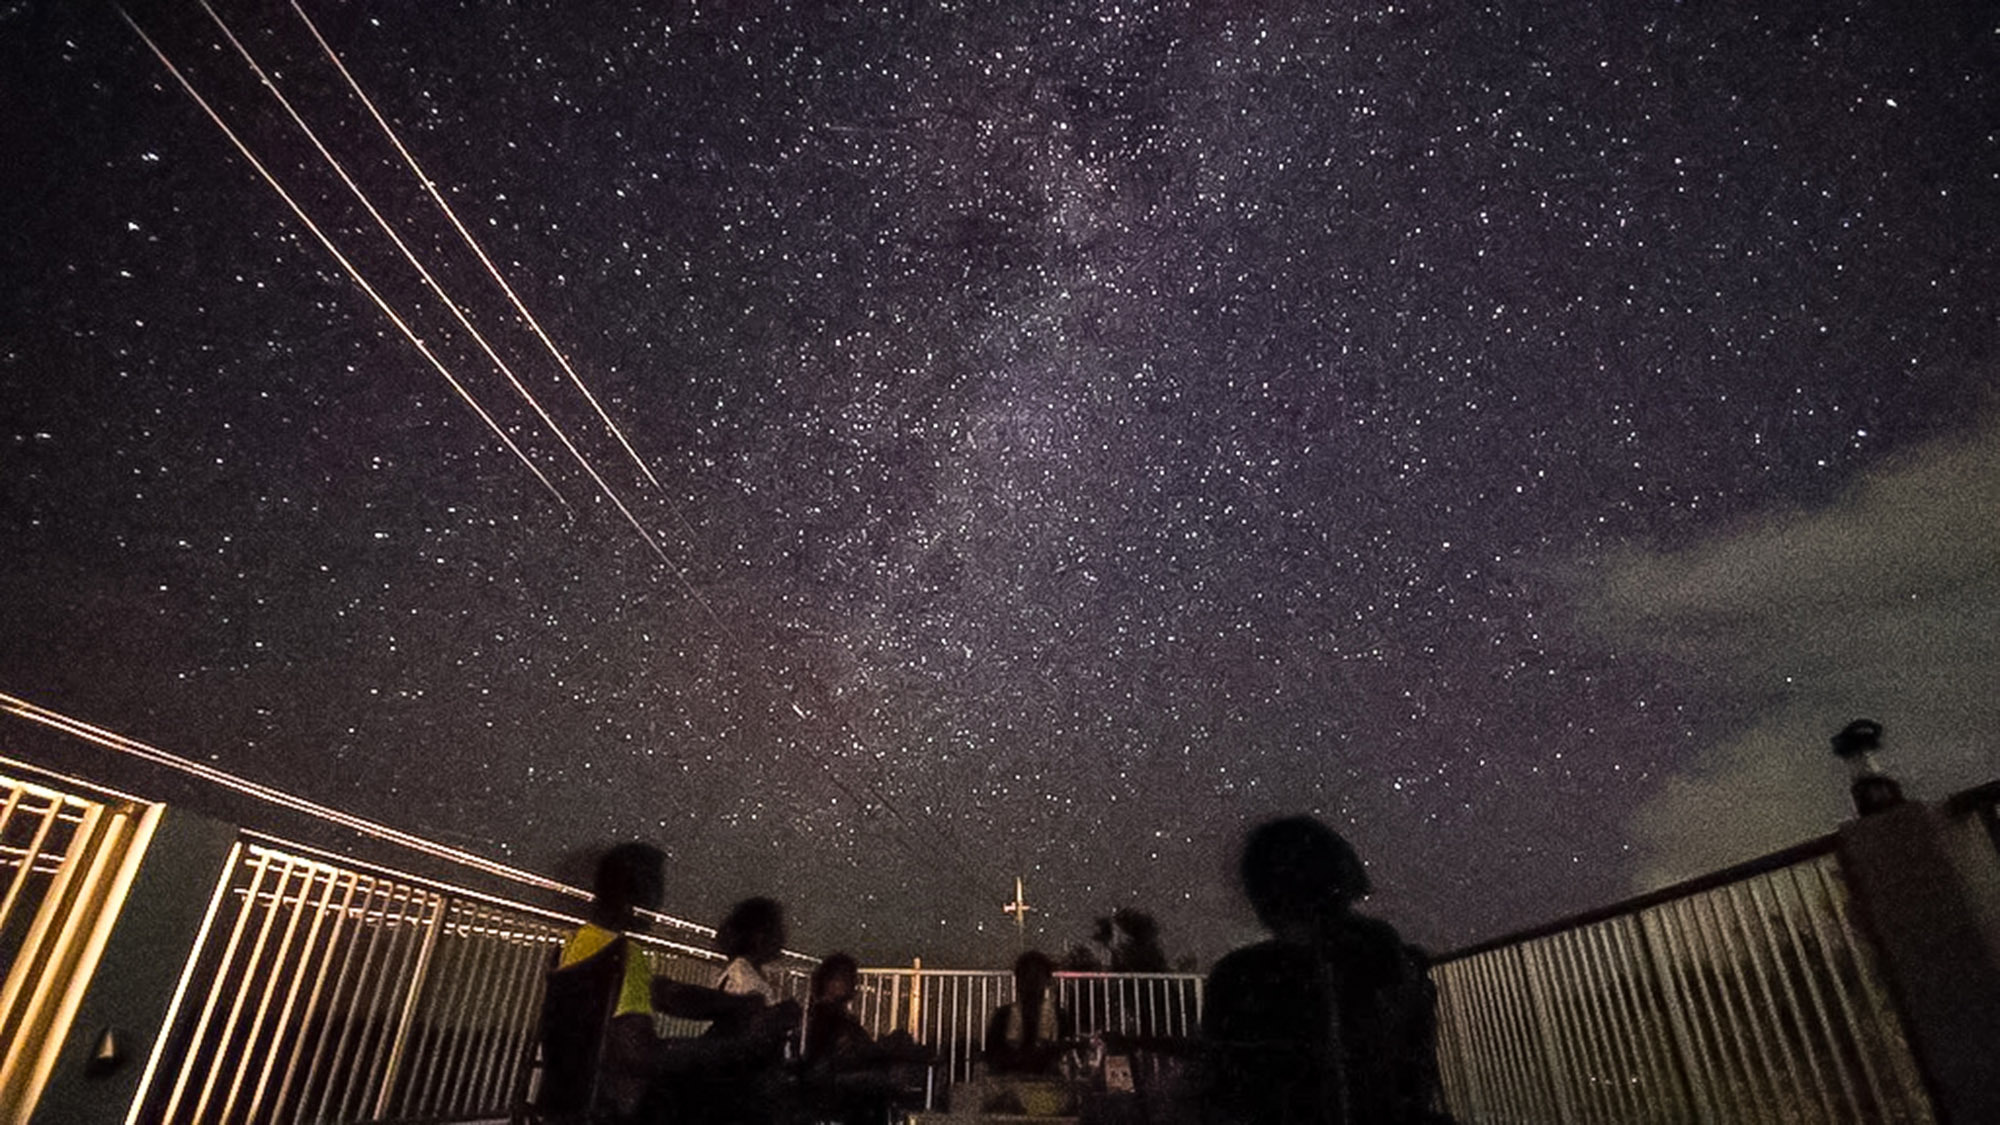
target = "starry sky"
x: 1518, y: 433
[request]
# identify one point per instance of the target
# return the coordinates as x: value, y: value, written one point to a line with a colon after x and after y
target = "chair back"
x: 577, y: 1008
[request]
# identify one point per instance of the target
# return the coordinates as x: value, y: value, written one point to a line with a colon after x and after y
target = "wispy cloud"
x: 1884, y: 605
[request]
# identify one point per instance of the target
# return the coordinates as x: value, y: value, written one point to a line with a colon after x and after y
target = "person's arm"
x: 696, y: 1002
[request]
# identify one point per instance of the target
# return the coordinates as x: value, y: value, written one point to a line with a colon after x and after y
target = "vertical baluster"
x: 391, y: 979
x: 411, y: 972
x: 1809, y: 972
x: 517, y: 1017
x: 274, y: 974
x: 1472, y: 980
x: 17, y: 886
x: 348, y: 883
x: 1755, y: 1065
x: 498, y: 991
x: 465, y: 988
x: 282, y: 1035
x: 1650, y: 1039
x: 1650, y: 1094
x: 1549, y: 1033
x: 1582, y: 1030
x: 1879, y: 1033
x: 354, y: 975
x: 1778, y: 999
x: 215, y: 1065
x: 1667, y: 940
x: 1495, y: 1071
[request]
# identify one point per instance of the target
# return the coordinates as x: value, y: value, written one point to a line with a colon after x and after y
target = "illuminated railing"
x: 1751, y: 996
x: 65, y: 863
x: 257, y: 979
x: 947, y: 1010
x: 319, y: 992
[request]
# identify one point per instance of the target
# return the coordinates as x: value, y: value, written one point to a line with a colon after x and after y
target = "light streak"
x: 430, y: 188
x: 112, y: 740
x: 352, y: 272
x: 880, y: 798
x: 456, y: 312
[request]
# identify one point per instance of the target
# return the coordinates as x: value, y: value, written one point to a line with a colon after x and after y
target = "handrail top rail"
x: 1958, y: 804
x: 1063, y: 974
x: 1736, y: 873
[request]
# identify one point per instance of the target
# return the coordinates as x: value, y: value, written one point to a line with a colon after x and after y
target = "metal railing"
x: 324, y: 989
x: 66, y: 861
x: 322, y: 992
x: 947, y: 1010
x: 1751, y: 996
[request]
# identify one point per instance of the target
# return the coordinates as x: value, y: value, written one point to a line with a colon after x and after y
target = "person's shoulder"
x: 1371, y: 938
x: 1265, y: 992
x: 1378, y: 930
x: 589, y: 940
x: 1261, y: 973
x: 1261, y: 960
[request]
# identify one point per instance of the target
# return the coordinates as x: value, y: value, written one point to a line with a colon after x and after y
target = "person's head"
x: 1137, y: 924
x: 1033, y: 971
x: 630, y: 877
x: 754, y: 931
x: 836, y: 978
x: 1298, y: 872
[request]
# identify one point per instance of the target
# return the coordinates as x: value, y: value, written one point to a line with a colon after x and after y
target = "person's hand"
x: 773, y: 1022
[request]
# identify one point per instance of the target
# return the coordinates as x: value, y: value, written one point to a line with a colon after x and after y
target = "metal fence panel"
x: 65, y: 864
x: 947, y: 1009
x: 1756, y: 1000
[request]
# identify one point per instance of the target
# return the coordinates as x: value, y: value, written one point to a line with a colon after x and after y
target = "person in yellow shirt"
x: 600, y: 1053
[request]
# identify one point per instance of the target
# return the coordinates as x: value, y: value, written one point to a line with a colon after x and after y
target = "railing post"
x: 1926, y: 883
x: 146, y: 953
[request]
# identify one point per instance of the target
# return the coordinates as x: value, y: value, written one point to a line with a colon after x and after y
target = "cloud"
x: 1885, y: 605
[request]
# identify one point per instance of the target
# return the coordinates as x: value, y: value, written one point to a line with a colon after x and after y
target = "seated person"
x: 1030, y: 1035
x: 1025, y: 1045
x: 1331, y: 1020
x: 850, y: 1077
x: 599, y: 1049
x: 752, y: 936
x: 833, y: 1036
x: 745, y: 1083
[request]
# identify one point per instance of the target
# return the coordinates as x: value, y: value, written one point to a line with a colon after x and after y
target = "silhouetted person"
x: 599, y: 1051
x: 741, y: 1085
x: 1030, y: 1035
x: 1081, y: 958
x: 832, y: 1033
x: 851, y: 1078
x: 752, y: 936
x: 1138, y: 949
x: 1329, y: 1021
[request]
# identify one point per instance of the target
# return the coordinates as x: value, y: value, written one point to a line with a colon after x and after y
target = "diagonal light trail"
x: 430, y: 188
x: 456, y: 312
x: 352, y: 272
x: 112, y: 740
x: 954, y: 853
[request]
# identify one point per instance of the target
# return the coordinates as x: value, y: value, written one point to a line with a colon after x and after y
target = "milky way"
x: 1080, y: 429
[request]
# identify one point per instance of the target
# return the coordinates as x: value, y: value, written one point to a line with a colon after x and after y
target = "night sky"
x: 1518, y: 433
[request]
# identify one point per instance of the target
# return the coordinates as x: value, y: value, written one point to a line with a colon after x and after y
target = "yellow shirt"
x: 635, y: 996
